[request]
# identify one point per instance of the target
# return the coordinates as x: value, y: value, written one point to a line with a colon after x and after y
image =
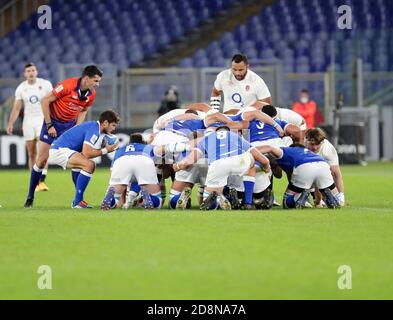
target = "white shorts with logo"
x: 164, y: 137
x: 32, y: 128
x: 219, y: 171
x: 60, y: 156
x: 306, y: 174
x: 197, y: 173
x: 138, y: 167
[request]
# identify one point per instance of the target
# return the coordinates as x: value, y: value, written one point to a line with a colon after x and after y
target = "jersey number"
x: 130, y: 148
x: 221, y: 135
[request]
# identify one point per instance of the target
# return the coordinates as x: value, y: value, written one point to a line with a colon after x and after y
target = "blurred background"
x: 162, y: 54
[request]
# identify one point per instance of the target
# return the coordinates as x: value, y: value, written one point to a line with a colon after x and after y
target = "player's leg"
x: 146, y: 176
x: 113, y: 197
x: 263, y: 195
x: 249, y: 183
x: 325, y: 183
x: 216, y: 179
x: 180, y: 195
x: 37, y: 126
x: 31, y: 146
x: 36, y: 172
x: 87, y: 166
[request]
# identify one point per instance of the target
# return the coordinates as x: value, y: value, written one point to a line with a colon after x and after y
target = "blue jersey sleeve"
x: 201, y: 146
x: 92, y: 135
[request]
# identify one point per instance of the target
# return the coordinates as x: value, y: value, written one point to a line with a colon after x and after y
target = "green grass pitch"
x: 139, y: 254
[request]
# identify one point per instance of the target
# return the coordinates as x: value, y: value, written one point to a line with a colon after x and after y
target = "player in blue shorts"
x: 78, y: 145
x: 307, y: 168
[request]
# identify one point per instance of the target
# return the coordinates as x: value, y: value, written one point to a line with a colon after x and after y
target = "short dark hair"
x: 109, y: 116
x: 30, y: 64
x: 269, y: 110
x: 136, y: 138
x: 297, y: 145
x: 223, y: 128
x: 91, y: 71
x: 192, y: 111
x: 304, y: 91
x: 239, y: 57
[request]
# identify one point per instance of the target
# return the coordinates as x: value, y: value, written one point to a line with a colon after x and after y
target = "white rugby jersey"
x: 238, y: 94
x: 291, y: 116
x: 329, y: 153
x: 31, y: 95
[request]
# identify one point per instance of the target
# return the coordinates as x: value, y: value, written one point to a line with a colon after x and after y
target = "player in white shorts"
x: 228, y: 154
x: 28, y: 95
x: 316, y: 141
x: 307, y: 169
x: 240, y: 87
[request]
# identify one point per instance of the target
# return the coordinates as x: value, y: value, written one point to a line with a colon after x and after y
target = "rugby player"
x: 28, y: 95
x: 240, y: 86
x: 77, y: 146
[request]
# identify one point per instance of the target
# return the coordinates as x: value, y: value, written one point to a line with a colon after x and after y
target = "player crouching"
x: 307, y: 168
x: 228, y: 154
x: 136, y: 161
x: 77, y: 146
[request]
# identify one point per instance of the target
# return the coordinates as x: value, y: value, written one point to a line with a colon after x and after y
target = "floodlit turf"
x: 165, y: 254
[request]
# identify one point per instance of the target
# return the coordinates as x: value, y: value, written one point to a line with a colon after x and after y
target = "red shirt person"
x: 306, y: 107
x: 65, y: 107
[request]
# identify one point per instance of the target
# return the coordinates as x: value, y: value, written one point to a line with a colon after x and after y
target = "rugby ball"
x: 111, y: 139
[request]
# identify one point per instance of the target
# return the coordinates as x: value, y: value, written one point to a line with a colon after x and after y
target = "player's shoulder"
x: 44, y: 82
x: 225, y: 74
x: 21, y: 85
x: 253, y: 76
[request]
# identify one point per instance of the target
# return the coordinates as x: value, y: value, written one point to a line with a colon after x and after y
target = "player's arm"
x: 187, y: 161
x: 81, y: 116
x: 18, y: 104
x: 276, y: 152
x: 263, y: 117
x: 260, y: 103
x: 45, y: 102
x: 89, y: 152
x: 337, y: 177
x: 215, y: 99
x: 218, y: 117
x: 258, y: 156
x: 294, y: 132
x: 203, y: 107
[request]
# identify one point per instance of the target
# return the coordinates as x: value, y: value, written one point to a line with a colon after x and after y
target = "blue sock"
x: 81, y: 185
x: 174, y: 197
x: 34, y: 180
x: 249, y: 183
x: 135, y: 187
x: 75, y: 175
x: 289, y: 201
x: 156, y: 198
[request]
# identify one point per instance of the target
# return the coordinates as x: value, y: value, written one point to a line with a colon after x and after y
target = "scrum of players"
x: 233, y: 158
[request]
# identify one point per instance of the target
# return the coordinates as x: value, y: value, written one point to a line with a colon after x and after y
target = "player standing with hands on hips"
x: 65, y: 107
x: 240, y: 86
x: 28, y: 95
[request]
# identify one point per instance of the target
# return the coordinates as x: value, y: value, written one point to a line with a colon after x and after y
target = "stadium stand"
x: 123, y: 32
x: 285, y: 32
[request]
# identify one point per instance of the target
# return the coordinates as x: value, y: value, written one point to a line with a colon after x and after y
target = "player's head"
x: 30, y: 72
x: 239, y: 66
x: 136, y: 138
x: 297, y: 145
x: 222, y: 128
x: 192, y: 112
x: 314, y: 138
x: 108, y: 121
x: 269, y: 110
x: 91, y: 77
